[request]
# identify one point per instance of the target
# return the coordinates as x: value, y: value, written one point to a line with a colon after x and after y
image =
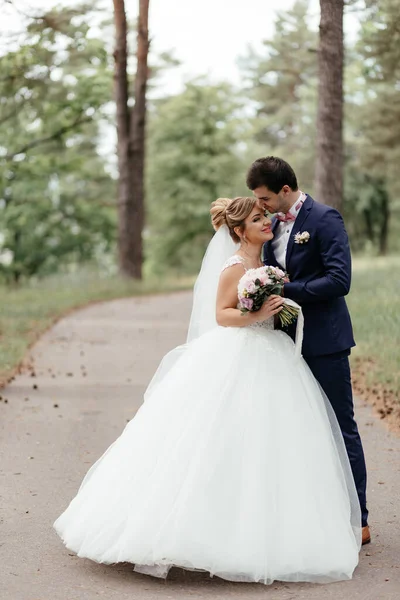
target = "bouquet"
x: 257, y: 284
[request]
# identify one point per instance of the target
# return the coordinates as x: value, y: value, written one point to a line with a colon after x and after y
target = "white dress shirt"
x: 283, y: 231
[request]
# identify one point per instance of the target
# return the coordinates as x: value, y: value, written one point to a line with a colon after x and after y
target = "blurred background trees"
x: 58, y: 194
x: 373, y: 130
x: 55, y: 196
x: 194, y: 154
x: 282, y: 82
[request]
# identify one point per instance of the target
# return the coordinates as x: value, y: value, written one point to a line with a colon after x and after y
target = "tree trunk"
x: 131, y: 140
x: 329, y: 164
x: 137, y: 142
x: 123, y: 127
x: 384, y: 230
x: 368, y: 215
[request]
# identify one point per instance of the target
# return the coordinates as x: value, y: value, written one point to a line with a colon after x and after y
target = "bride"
x: 234, y: 463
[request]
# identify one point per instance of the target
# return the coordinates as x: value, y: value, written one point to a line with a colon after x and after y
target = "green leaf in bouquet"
x: 277, y: 289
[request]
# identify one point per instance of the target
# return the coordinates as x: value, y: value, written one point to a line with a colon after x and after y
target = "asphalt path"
x: 83, y: 381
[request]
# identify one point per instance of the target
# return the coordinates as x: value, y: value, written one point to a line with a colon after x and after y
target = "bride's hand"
x: 271, y: 307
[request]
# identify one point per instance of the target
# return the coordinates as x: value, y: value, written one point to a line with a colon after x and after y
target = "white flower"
x: 251, y: 287
x: 301, y: 238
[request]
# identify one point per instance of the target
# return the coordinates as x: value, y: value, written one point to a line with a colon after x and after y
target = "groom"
x: 310, y: 243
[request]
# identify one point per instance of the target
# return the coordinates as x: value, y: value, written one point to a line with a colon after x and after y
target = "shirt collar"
x: 296, y: 206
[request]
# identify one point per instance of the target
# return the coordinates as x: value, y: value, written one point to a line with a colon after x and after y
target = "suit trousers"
x: 332, y: 371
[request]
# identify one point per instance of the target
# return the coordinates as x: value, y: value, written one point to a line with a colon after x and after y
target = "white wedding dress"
x: 234, y: 464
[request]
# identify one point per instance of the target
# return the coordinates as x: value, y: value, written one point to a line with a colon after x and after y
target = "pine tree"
x: 283, y: 83
x: 194, y: 157
x: 375, y: 119
x: 55, y: 193
x: 131, y: 122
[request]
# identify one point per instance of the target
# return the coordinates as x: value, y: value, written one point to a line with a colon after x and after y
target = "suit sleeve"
x: 336, y: 259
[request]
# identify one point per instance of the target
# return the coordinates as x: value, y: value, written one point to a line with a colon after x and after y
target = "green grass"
x: 27, y: 311
x: 374, y: 302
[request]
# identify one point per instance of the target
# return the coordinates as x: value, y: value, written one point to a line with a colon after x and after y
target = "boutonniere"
x: 301, y: 238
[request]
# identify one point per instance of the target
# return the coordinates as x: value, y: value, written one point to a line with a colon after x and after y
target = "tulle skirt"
x: 234, y: 464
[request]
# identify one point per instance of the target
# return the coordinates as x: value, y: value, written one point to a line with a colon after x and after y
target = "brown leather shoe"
x: 366, y: 535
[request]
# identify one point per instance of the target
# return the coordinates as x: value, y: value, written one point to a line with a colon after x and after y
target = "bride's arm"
x: 227, y: 314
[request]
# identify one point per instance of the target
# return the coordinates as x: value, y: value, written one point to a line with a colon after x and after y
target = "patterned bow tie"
x: 285, y: 218
x: 289, y: 216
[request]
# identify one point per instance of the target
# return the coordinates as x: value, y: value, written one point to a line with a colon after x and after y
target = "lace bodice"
x: 238, y: 260
x: 234, y: 260
x: 268, y: 324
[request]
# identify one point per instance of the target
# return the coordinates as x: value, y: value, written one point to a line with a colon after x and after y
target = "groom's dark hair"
x: 273, y: 172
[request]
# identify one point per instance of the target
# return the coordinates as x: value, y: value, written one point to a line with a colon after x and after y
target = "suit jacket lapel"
x: 298, y: 224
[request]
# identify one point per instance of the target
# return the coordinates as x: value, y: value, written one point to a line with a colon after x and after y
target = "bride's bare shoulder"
x: 227, y: 295
x: 231, y: 273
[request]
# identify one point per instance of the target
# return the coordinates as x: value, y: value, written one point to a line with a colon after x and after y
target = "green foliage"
x: 193, y: 158
x: 380, y: 115
x: 366, y: 210
x: 373, y: 131
x: 57, y: 197
x: 283, y: 83
x: 55, y: 194
x: 381, y: 39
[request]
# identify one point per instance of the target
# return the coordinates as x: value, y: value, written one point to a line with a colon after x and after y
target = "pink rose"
x: 246, y: 303
x: 264, y: 279
x: 244, y: 283
x: 279, y: 272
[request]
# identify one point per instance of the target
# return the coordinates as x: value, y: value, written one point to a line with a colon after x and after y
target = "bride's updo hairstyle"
x: 232, y: 213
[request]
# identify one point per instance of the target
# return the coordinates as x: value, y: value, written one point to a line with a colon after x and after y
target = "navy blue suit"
x: 320, y: 276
